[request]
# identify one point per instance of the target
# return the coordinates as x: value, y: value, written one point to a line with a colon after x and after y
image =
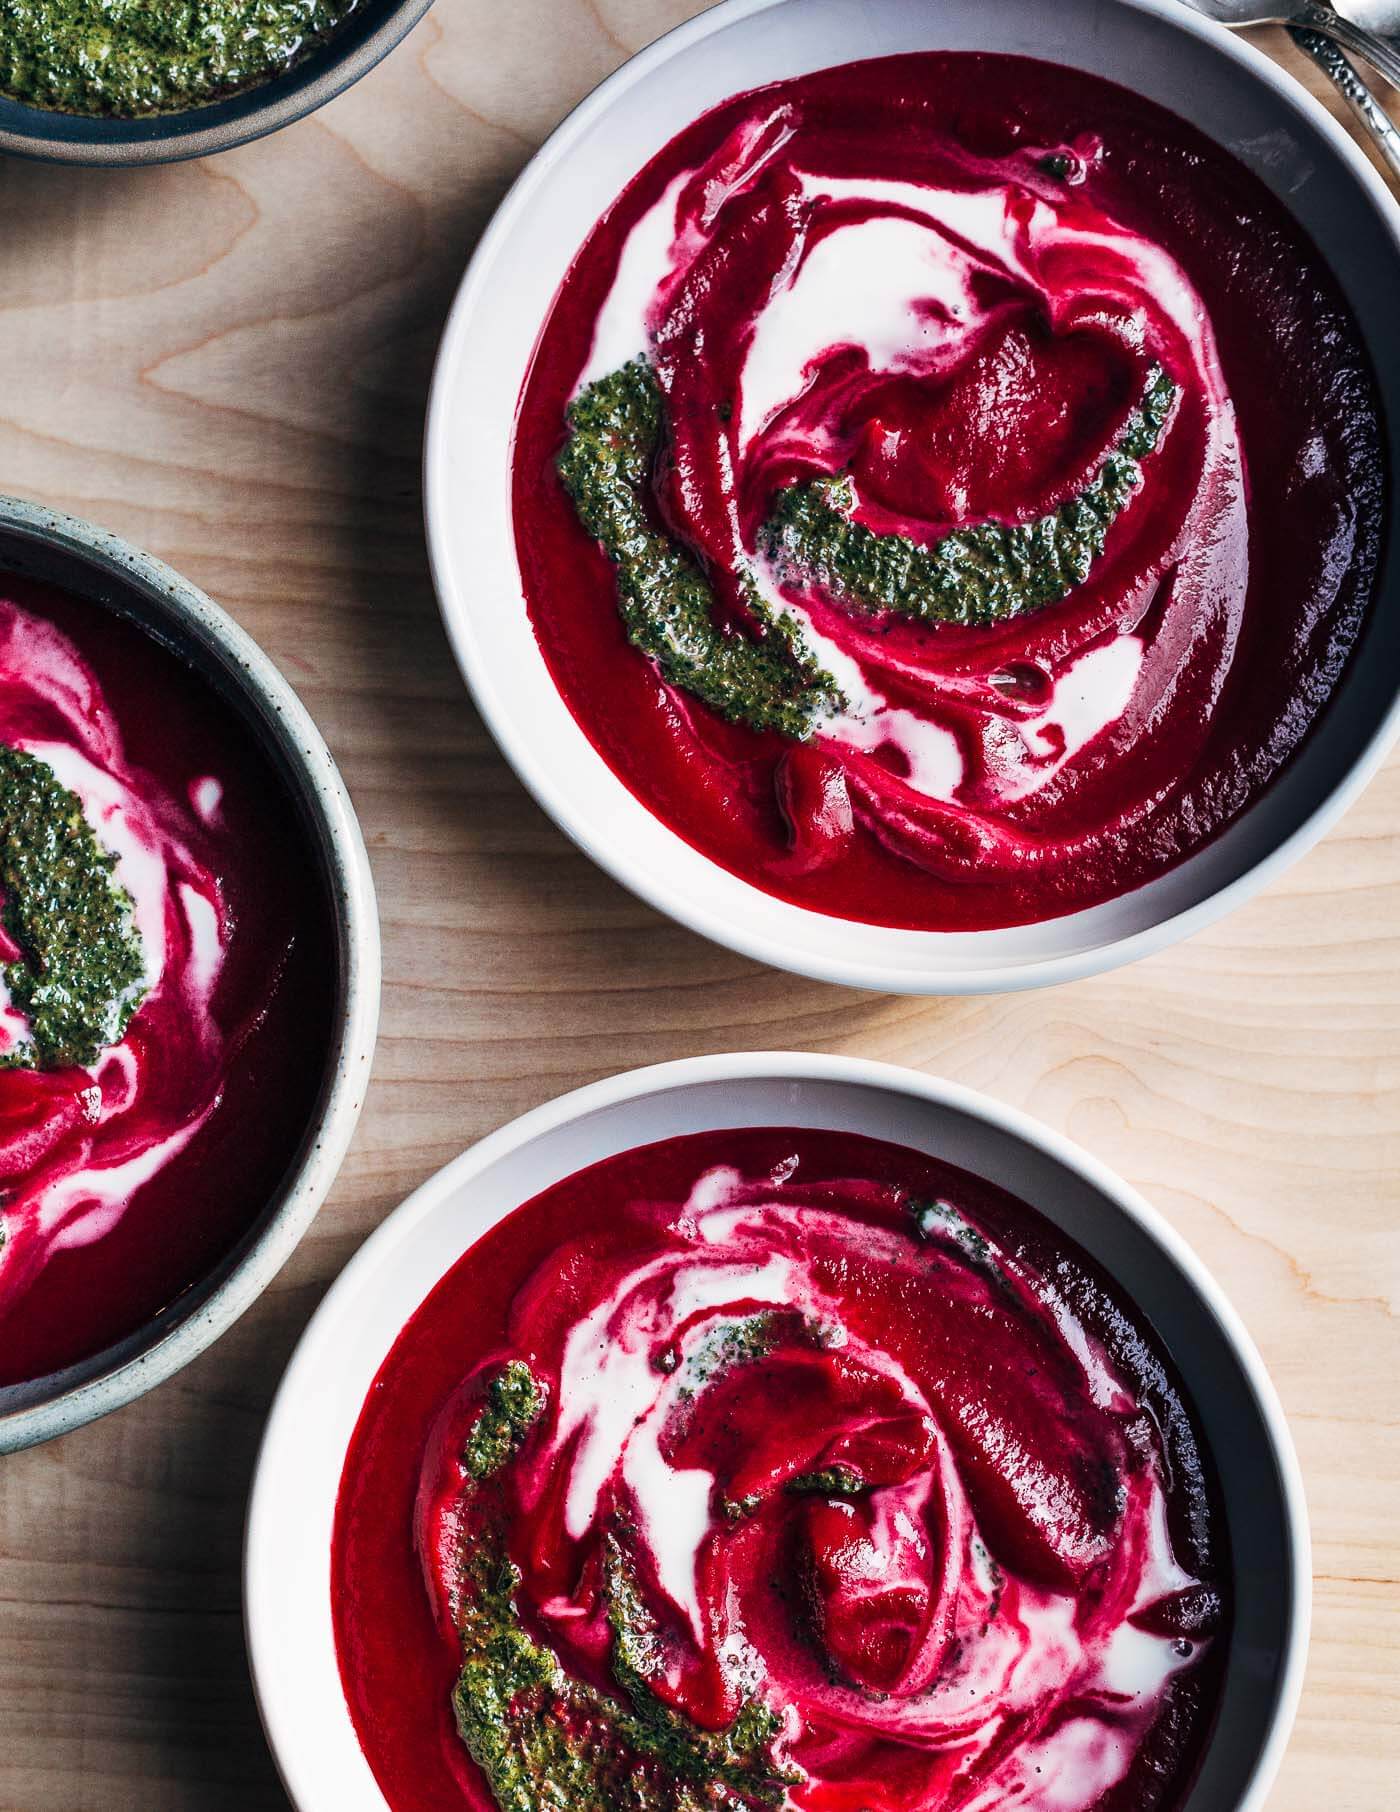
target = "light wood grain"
x: 227, y: 362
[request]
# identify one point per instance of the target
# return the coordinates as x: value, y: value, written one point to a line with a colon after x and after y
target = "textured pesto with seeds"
x: 976, y: 576
x: 940, y: 1220
x: 831, y: 1481
x: 81, y: 972
x: 130, y: 57
x: 544, y: 1740
x: 988, y: 573
x: 667, y: 607
x: 514, y: 1401
x: 728, y: 1344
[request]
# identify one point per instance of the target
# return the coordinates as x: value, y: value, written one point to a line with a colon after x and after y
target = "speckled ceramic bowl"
x: 163, y: 138
x: 79, y: 558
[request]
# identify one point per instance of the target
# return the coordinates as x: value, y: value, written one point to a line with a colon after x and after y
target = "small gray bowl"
x: 79, y: 558
x: 367, y: 36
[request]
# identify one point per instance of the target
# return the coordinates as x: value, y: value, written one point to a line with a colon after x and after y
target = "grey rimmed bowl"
x: 44, y: 545
x: 163, y: 138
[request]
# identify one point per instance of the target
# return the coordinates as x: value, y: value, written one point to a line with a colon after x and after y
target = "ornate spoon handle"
x: 1363, y: 103
x: 1380, y: 53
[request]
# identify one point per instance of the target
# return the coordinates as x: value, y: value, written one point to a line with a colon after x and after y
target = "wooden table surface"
x: 226, y: 362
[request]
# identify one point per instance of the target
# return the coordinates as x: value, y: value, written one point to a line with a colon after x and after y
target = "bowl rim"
x: 42, y: 1408
x: 266, y: 1521
x: 219, y: 125
x: 937, y: 976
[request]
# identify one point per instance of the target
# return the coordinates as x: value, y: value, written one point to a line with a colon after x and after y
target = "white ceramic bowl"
x: 87, y: 561
x: 287, y: 1582
x: 1157, y: 47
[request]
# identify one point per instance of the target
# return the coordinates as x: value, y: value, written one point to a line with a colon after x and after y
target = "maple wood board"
x: 227, y: 362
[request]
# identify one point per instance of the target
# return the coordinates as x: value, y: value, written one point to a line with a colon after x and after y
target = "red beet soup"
x: 167, y: 977
x: 947, y: 489
x: 779, y: 1468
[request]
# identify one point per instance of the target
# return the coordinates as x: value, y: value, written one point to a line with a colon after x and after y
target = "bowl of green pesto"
x: 153, y: 81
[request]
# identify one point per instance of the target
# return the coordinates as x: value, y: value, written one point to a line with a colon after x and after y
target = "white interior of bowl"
x: 287, y: 1581
x: 1158, y: 48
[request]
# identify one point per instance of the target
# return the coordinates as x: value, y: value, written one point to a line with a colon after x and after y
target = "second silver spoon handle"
x: 1380, y: 53
x: 1363, y: 103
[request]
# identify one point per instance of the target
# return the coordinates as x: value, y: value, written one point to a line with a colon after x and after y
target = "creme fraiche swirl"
x: 77, y: 1142
x: 804, y: 325
x: 823, y: 1488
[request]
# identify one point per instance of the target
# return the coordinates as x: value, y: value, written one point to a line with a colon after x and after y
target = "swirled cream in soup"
x: 166, y: 964
x: 947, y: 489
x: 779, y: 1469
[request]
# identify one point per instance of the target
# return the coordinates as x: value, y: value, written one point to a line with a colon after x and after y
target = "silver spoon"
x: 1379, y: 16
x: 1363, y: 103
x: 1379, y: 52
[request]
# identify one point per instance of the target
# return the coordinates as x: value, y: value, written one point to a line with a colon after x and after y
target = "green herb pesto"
x: 727, y: 1344
x: 514, y: 1401
x: 667, y: 607
x: 974, y: 576
x: 940, y: 1220
x: 547, y: 1742
x: 130, y: 57
x: 831, y: 1481
x: 988, y: 573
x: 81, y: 974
